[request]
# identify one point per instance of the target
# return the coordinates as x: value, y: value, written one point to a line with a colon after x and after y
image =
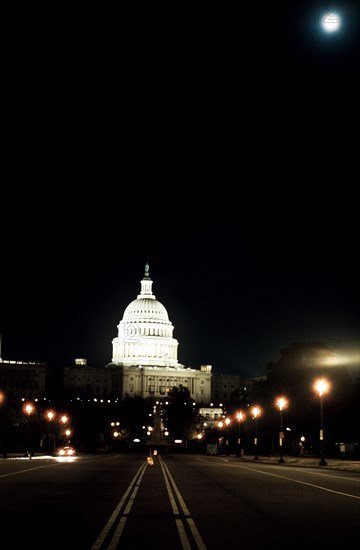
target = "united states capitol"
x: 144, y: 363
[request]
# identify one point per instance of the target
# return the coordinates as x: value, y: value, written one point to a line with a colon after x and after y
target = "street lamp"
x: 241, y: 417
x: 281, y: 403
x: 50, y: 416
x: 220, y: 425
x: 321, y: 386
x: 68, y: 434
x: 28, y: 409
x: 64, y: 419
x: 256, y: 413
x: 227, y: 422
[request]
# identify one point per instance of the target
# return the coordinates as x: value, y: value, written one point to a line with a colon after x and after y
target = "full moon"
x: 331, y: 22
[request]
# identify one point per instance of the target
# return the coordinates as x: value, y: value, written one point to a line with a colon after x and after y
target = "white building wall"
x: 156, y: 382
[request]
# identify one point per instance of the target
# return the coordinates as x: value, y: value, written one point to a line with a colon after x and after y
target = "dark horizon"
x: 227, y: 163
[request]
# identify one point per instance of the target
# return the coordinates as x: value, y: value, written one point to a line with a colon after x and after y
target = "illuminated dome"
x: 147, y: 309
x: 145, y: 332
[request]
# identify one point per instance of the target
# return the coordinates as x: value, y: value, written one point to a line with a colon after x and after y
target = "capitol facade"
x: 144, y: 353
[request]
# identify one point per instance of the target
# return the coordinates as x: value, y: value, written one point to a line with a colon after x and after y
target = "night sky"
x: 217, y: 147
x: 314, y: 55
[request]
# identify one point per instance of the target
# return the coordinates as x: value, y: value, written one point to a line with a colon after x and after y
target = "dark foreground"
x: 178, y: 502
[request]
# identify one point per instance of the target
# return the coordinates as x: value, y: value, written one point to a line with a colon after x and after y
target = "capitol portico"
x: 144, y: 359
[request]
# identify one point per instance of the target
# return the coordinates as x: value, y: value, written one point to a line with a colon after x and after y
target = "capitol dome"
x: 145, y: 332
x: 146, y: 308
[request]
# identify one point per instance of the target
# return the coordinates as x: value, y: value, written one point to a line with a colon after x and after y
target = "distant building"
x: 226, y: 387
x: 86, y: 382
x: 210, y: 415
x: 22, y: 380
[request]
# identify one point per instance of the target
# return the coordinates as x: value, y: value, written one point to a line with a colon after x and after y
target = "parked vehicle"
x: 211, y: 449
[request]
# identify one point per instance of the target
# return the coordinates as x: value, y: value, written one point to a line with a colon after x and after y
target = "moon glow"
x: 330, y: 22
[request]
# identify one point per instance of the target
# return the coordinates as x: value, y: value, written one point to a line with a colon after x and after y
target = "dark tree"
x: 180, y: 416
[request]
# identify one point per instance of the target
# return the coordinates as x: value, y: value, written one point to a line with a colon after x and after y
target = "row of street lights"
x: 51, y: 416
x: 64, y: 419
x: 241, y: 416
x: 321, y: 386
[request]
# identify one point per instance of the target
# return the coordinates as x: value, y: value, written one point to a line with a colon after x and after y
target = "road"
x: 98, y: 502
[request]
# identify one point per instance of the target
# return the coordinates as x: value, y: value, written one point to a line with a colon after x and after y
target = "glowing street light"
x: 281, y: 403
x: 256, y: 411
x: 50, y: 416
x: 227, y: 422
x: 64, y: 419
x: 240, y: 417
x: 220, y: 425
x: 321, y: 386
x: 68, y: 434
x: 28, y: 409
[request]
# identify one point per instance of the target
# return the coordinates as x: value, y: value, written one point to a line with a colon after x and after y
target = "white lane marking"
x: 297, y: 481
x: 28, y: 470
x: 134, y: 482
x: 190, y: 521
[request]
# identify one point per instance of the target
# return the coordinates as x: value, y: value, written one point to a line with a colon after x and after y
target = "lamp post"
x: 64, y: 419
x: 220, y: 425
x: 50, y: 416
x: 281, y: 403
x: 67, y: 434
x: 28, y: 409
x: 241, y: 417
x: 321, y: 386
x: 227, y: 422
x: 256, y: 413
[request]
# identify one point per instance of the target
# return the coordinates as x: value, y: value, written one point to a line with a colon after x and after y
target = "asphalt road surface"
x: 98, y: 502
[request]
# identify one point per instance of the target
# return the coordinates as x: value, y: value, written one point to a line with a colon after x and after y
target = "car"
x: 211, y: 449
x: 66, y: 451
